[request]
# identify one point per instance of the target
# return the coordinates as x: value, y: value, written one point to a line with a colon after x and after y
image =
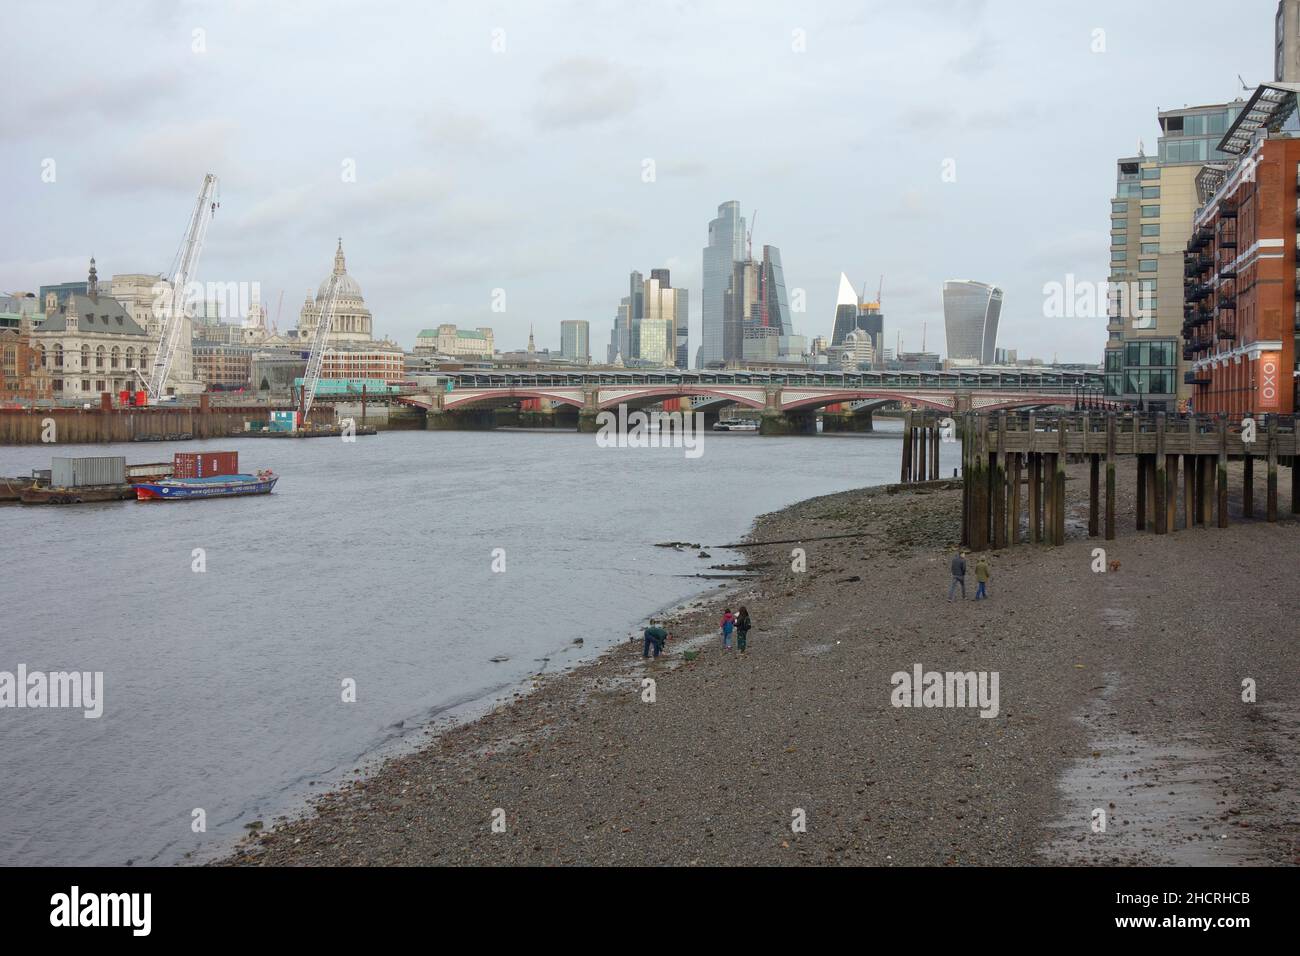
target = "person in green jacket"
x: 654, y: 637
x: 982, y: 576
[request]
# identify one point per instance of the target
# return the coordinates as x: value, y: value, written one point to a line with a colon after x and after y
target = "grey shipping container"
x: 79, y: 472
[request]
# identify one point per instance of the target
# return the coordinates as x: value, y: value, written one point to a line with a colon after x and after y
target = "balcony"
x: 1195, y: 378
x: 1227, y: 333
x: 1227, y: 303
x: 1228, y: 208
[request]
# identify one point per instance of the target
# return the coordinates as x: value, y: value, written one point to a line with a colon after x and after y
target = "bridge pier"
x: 847, y: 422
x: 788, y: 423
x: 461, y: 419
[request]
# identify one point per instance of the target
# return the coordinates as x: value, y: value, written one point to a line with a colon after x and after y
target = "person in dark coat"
x: 743, y: 624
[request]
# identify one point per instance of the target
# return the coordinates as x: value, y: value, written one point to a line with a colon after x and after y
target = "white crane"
x: 316, y: 360
x: 173, y: 315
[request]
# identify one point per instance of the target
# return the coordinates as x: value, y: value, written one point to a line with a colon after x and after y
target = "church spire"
x: 92, y: 281
x: 531, y: 346
x: 340, y: 266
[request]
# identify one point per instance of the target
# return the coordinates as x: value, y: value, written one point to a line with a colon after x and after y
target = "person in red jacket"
x: 728, y: 625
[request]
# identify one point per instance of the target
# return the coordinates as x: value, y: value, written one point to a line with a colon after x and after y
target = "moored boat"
x: 214, y: 486
x: 75, y: 494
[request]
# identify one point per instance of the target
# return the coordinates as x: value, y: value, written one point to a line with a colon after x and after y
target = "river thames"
x: 372, y: 562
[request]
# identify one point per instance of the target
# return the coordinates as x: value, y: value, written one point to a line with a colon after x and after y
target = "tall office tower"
x: 773, y: 304
x: 846, y: 311
x: 575, y: 340
x: 1286, y: 42
x: 726, y: 247
x: 872, y: 321
x: 660, y: 306
x: 740, y: 309
x: 970, y: 318
x: 663, y: 301
x: 1151, y: 222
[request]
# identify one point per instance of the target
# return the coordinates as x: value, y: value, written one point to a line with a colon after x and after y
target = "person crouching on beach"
x: 728, y: 623
x: 982, y: 575
x: 958, y: 575
x: 742, y: 629
x: 654, y: 637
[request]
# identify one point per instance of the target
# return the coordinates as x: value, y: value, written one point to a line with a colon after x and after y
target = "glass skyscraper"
x: 726, y: 247
x: 970, y: 318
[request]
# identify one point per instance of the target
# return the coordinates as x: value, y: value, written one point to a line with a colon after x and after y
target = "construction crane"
x: 749, y: 236
x: 184, y: 268
x: 316, y: 360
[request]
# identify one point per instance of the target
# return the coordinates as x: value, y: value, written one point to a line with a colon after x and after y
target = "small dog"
x: 1114, y: 565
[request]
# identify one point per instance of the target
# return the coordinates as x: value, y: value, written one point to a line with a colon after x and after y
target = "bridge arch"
x: 651, y: 394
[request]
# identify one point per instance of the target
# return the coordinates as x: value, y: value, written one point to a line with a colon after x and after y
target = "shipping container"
x: 80, y: 472
x: 189, y: 464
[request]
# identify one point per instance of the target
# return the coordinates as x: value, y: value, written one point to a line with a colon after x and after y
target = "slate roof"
x: 101, y: 314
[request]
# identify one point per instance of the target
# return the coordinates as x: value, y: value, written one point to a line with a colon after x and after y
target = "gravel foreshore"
x: 1119, y: 692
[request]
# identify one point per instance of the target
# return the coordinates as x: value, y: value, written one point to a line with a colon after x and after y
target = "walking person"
x: 743, y: 625
x: 654, y: 637
x: 728, y: 624
x: 982, y: 576
x: 958, y: 575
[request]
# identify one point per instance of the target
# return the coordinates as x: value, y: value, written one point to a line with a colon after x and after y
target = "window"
x: 1148, y: 265
x: 1149, y: 248
x: 1114, y: 360
x: 1147, y: 285
x: 1119, y: 225
x: 1119, y: 207
x: 1119, y: 240
x: 1119, y: 256
x: 85, y: 384
x: 1151, y: 172
x: 1150, y: 192
x: 1150, y: 212
x: 99, y: 357
x: 1151, y: 229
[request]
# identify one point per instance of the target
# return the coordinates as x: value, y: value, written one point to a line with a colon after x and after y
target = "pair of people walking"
x: 982, y: 575
x: 738, y: 622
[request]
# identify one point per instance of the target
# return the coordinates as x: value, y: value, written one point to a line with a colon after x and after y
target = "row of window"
x: 1140, y: 383
x: 114, y: 357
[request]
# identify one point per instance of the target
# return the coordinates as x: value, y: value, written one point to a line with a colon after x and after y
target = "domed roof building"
x: 352, y: 324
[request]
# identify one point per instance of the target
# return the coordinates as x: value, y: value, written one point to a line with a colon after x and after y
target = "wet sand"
x: 1118, y: 691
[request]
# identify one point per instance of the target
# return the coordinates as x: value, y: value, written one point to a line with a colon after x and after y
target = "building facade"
x: 89, y: 344
x: 726, y: 247
x: 575, y: 341
x: 1151, y: 220
x: 970, y: 317
x: 447, y: 339
x: 1241, y: 314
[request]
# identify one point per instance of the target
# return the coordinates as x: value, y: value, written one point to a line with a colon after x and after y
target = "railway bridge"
x: 788, y: 402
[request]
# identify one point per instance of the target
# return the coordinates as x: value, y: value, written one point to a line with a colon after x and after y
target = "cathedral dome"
x: 348, y: 286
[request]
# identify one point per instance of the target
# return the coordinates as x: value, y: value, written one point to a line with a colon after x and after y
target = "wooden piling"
x: 1270, y: 494
x: 1247, y: 482
x: 1159, y: 501
x: 1110, y: 476
x: 1058, y: 486
x: 1094, y: 495
x: 934, y: 453
x: 1141, y: 515
x: 1222, y: 473
x: 1013, y: 519
x: 1189, y: 491
x: 1171, y: 492
x: 998, y: 485
x: 922, y: 447
x: 905, y: 472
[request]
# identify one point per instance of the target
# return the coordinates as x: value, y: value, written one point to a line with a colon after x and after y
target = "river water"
x: 372, y: 562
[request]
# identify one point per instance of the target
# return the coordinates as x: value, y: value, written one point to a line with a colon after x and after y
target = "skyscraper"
x: 672, y: 304
x: 970, y: 318
x: 575, y: 340
x: 846, y: 311
x: 726, y: 247
x: 740, y: 309
x: 774, y: 306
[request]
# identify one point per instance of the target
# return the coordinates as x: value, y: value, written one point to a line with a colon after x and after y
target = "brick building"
x: 1240, y: 311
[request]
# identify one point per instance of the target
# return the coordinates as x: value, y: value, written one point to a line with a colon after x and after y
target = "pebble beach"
x: 1119, y: 691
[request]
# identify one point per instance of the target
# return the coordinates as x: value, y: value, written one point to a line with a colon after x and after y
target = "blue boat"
x: 216, y: 486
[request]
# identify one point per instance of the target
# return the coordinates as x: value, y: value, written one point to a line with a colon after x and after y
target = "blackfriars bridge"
x: 788, y: 402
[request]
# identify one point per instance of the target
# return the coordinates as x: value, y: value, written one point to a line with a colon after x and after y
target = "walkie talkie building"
x: 970, y: 318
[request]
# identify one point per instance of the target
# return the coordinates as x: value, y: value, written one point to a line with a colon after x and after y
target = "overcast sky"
x: 503, y: 146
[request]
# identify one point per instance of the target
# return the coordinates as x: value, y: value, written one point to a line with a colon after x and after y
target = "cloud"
x: 583, y: 91
x: 172, y: 158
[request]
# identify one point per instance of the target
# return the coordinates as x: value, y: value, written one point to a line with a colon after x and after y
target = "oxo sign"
x: 1269, y: 365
